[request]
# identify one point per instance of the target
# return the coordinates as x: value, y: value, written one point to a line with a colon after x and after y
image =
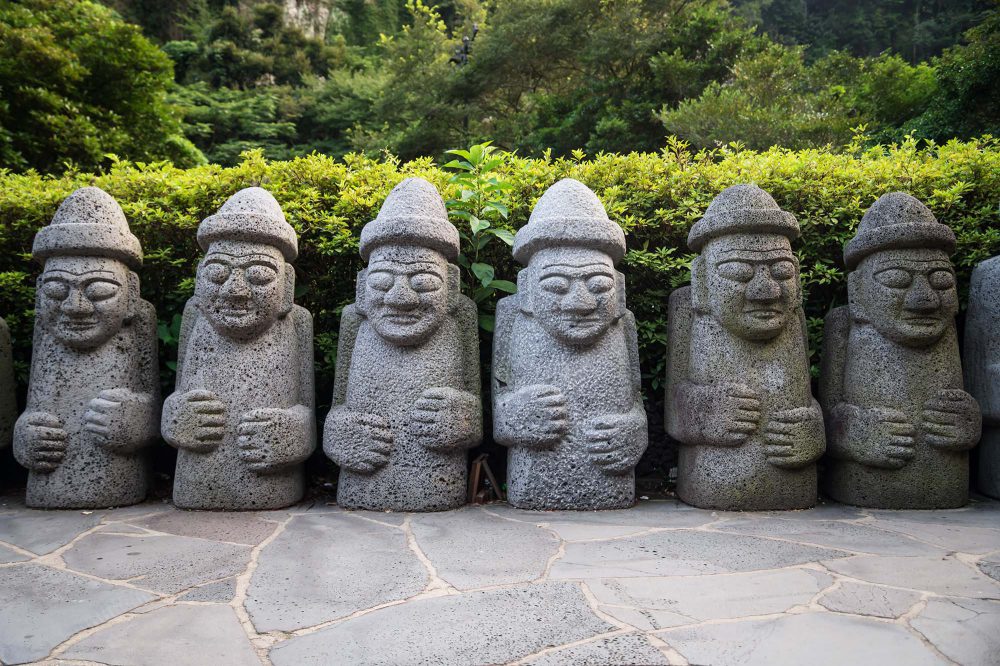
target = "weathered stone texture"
x: 982, y: 368
x: 566, y: 396
x: 406, y: 398
x: 899, y: 423
x: 738, y: 390
x: 8, y: 397
x: 93, y: 397
x: 242, y: 415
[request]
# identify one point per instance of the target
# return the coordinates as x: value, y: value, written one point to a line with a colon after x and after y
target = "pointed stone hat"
x: 742, y: 209
x: 897, y: 221
x: 254, y: 215
x: 569, y: 213
x: 89, y: 223
x: 412, y: 214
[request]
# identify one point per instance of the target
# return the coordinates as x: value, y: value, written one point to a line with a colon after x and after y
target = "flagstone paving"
x: 660, y: 584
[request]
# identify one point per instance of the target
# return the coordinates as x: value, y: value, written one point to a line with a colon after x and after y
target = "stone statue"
x: 93, y: 397
x: 899, y: 424
x: 406, y: 398
x: 982, y: 368
x: 242, y: 412
x: 8, y: 395
x: 566, y: 396
x: 738, y: 390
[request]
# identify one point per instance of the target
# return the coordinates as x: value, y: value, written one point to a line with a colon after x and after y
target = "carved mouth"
x: 79, y: 325
x: 764, y: 313
x: 233, y: 311
x: 925, y: 320
x: 402, y: 319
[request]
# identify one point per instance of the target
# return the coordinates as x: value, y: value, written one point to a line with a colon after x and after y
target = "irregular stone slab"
x: 42, y: 532
x: 326, y: 566
x: 861, y: 599
x: 966, y: 630
x: 991, y: 568
x: 8, y: 555
x: 645, y: 514
x: 245, y: 528
x: 817, y: 639
x: 625, y: 650
x: 945, y: 575
x: 43, y: 607
x: 681, y: 553
x: 822, y: 511
x: 487, y: 627
x: 393, y: 518
x: 962, y: 538
x: 833, y: 534
x: 165, y: 564
x: 980, y: 512
x: 645, y: 619
x: 182, y: 635
x: 470, y: 548
x: 713, y: 597
x: 220, y: 591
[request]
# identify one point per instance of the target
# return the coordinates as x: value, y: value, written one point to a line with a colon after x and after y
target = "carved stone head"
x: 409, y: 287
x: 746, y: 277
x: 87, y: 290
x: 902, y: 282
x: 245, y: 281
x: 570, y: 248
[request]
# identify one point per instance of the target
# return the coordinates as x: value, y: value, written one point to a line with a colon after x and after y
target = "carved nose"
x: 401, y: 296
x: 76, y: 304
x: 578, y: 300
x: 236, y: 286
x: 921, y: 297
x: 763, y: 287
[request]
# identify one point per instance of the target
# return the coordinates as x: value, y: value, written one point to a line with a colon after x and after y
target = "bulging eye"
x: 894, y: 278
x: 736, y: 270
x: 782, y: 270
x: 555, y: 284
x: 216, y: 273
x: 261, y: 275
x: 381, y: 281
x: 941, y: 279
x: 600, y: 284
x: 425, y: 282
x: 100, y: 290
x: 57, y: 291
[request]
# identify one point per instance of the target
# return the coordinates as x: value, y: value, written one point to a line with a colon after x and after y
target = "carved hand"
x: 271, y: 439
x: 117, y: 419
x: 732, y: 414
x: 534, y: 416
x: 877, y: 436
x: 445, y: 418
x: 194, y: 420
x: 951, y: 420
x: 39, y: 441
x: 794, y: 437
x: 356, y: 441
x: 615, y: 442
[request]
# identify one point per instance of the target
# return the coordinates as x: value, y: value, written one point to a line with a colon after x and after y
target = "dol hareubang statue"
x: 982, y: 368
x: 899, y: 424
x: 93, y: 397
x: 242, y: 415
x: 738, y: 390
x: 406, y: 399
x: 566, y: 396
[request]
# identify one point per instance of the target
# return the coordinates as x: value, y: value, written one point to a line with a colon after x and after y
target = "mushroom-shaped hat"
x: 251, y: 214
x: 89, y: 223
x: 897, y: 221
x: 412, y: 214
x: 569, y: 214
x: 742, y: 209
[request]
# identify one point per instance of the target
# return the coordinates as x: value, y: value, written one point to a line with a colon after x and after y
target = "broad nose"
x: 76, y: 304
x: 235, y: 286
x: 578, y: 299
x: 401, y: 295
x: 921, y: 297
x: 763, y: 287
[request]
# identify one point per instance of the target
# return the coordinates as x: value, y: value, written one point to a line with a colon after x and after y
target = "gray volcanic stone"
x: 242, y: 412
x: 624, y: 650
x: 862, y: 599
x: 245, y: 528
x: 8, y: 555
x: 43, y: 607
x: 47, y: 531
x: 476, y: 628
x: 944, y: 576
x: 8, y: 397
x: 221, y: 591
x: 93, y: 398
x: 566, y: 396
x: 899, y: 424
x: 965, y: 630
x: 406, y: 398
x: 738, y: 395
x: 833, y: 534
x: 982, y: 368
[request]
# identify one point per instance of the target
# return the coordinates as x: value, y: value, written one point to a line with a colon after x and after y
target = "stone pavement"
x: 662, y: 583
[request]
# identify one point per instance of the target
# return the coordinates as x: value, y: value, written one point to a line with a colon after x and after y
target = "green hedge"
x: 655, y: 197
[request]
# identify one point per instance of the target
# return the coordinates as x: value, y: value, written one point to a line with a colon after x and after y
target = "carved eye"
x: 782, y: 270
x: 425, y: 282
x: 555, y: 284
x: 600, y: 284
x: 941, y: 279
x: 216, y: 273
x: 261, y: 275
x: 736, y: 270
x: 381, y: 281
x: 894, y: 278
x: 57, y: 291
x: 100, y: 290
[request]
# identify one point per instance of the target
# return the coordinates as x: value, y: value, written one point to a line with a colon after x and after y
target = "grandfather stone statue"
x: 241, y: 415
x: 8, y: 397
x: 93, y: 397
x: 406, y: 403
x: 899, y: 424
x: 982, y: 367
x: 738, y: 393
x: 566, y: 396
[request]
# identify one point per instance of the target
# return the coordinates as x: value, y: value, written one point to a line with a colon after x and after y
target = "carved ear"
x: 699, y: 285
x: 133, y: 297
x: 289, y: 295
x: 856, y: 297
x: 359, y: 293
x: 620, y: 289
x: 454, y: 287
x: 524, y: 291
